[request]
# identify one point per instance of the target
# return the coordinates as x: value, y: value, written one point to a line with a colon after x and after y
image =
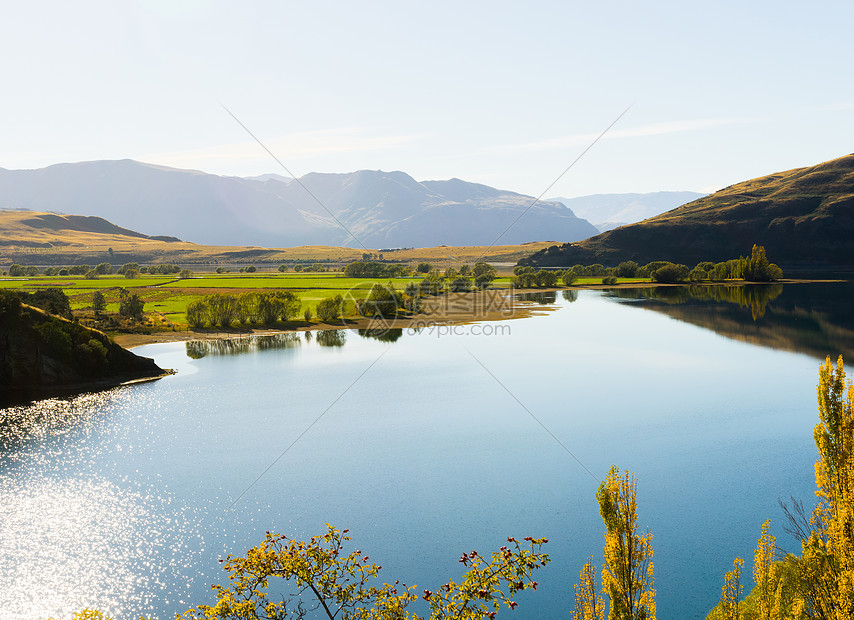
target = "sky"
x: 503, y: 93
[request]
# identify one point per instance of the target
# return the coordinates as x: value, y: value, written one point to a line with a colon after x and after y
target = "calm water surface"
x: 125, y: 500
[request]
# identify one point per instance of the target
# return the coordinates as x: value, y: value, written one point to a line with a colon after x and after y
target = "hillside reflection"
x: 814, y: 319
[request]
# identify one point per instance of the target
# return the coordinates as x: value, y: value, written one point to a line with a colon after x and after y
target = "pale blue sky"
x: 495, y: 92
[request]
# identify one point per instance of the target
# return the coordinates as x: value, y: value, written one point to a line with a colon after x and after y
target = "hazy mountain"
x: 801, y: 216
x: 382, y: 209
x: 608, y: 211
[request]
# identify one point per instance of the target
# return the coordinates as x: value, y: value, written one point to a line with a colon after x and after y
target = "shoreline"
x: 445, y: 309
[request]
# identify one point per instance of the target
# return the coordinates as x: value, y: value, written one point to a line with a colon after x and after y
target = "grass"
x: 169, y: 297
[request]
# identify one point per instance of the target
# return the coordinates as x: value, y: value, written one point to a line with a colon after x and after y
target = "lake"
x: 426, y: 445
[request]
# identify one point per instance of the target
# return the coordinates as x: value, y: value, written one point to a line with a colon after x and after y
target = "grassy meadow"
x: 166, y: 297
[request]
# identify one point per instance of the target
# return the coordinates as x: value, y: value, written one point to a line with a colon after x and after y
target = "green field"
x: 168, y: 296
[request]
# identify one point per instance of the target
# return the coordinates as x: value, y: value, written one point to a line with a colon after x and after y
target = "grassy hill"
x: 42, y: 353
x: 35, y: 238
x: 802, y: 217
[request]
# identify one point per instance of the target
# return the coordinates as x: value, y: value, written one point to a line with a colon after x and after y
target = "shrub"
x: 609, y: 280
x: 330, y: 309
x: 196, y: 313
x: 670, y: 273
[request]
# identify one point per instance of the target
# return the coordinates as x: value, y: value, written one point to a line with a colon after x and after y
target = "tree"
x: 283, y: 268
x: 99, y: 304
x: 829, y: 551
x: 627, y: 269
x: 104, y: 269
x: 196, y: 313
x: 16, y: 270
x: 337, y: 584
x: 670, y: 273
x: 185, y: 273
x: 131, y: 274
x: 330, y: 309
x: 628, y: 575
x: 588, y: 604
x: 381, y: 301
x: 758, y: 269
x: 221, y: 309
x: 731, y: 591
x: 423, y: 268
x: 130, y: 305
x: 251, y: 269
x: 546, y: 278
x: 483, y: 274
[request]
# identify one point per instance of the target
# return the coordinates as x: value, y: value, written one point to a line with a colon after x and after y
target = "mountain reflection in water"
x: 810, y: 318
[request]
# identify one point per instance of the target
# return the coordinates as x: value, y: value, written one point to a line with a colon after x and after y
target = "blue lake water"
x: 425, y: 447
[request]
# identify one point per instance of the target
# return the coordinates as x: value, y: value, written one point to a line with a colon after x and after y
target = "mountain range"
x: 803, y: 216
x: 366, y: 208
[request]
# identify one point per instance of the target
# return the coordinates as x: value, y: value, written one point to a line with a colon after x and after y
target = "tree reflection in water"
x: 197, y: 349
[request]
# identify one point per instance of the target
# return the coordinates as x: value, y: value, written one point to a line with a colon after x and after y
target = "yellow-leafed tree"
x: 588, y: 603
x: 627, y: 576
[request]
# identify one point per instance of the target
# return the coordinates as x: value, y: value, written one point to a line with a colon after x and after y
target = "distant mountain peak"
x: 382, y: 208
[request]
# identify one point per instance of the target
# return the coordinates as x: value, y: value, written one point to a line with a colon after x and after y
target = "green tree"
x: 197, y: 313
x: 330, y: 308
x: 283, y: 268
x: 99, y: 304
x: 104, y: 269
x: 16, y: 270
x: 627, y: 269
x: 670, y: 273
x: 483, y: 274
x: 382, y: 300
x: 424, y: 268
x: 131, y: 305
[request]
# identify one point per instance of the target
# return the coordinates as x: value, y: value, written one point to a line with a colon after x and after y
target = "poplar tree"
x: 627, y: 576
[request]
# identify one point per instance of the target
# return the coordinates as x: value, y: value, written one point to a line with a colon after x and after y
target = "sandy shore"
x: 447, y: 309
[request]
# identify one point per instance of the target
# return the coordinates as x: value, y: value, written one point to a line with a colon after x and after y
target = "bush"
x: 627, y: 269
x: 131, y: 305
x: 698, y: 274
x: 98, y: 302
x: 196, y: 313
x: 307, y: 315
x: 330, y: 309
x: 381, y: 301
x: 670, y: 274
x: 609, y: 280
